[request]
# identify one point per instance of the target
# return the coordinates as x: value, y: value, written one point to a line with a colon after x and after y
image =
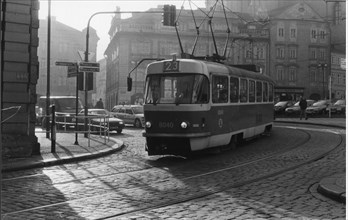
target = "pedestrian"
x: 303, y: 106
x: 100, y: 104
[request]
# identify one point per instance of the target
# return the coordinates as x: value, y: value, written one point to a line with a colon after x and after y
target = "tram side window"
x: 270, y: 89
x: 243, y: 90
x: 234, y: 88
x: 251, y: 91
x: 265, y: 92
x: 258, y: 91
x: 220, y: 89
x: 200, y: 90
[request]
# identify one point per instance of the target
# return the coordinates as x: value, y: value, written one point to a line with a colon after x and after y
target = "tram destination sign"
x: 89, y: 67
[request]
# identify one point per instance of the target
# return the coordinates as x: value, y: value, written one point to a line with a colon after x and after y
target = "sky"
x: 76, y: 13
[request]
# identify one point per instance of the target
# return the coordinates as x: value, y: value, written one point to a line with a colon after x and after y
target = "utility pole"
x: 48, y: 69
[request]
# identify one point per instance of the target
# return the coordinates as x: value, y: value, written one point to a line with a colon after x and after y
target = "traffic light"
x: 169, y: 15
x: 81, y: 82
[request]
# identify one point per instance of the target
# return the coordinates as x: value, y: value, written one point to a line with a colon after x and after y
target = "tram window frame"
x: 271, y: 92
x: 252, y: 91
x: 220, y: 95
x: 265, y: 92
x: 258, y: 91
x: 234, y: 86
x: 243, y: 90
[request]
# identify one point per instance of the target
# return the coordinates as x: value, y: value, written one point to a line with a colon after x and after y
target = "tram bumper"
x: 173, y: 144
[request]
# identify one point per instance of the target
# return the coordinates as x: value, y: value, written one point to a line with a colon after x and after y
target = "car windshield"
x: 97, y: 112
x: 280, y: 104
x: 68, y: 104
x: 177, y: 89
x: 297, y: 104
x: 340, y: 102
x: 138, y: 110
x: 319, y: 103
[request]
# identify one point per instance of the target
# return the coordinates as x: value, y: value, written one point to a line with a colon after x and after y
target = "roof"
x: 298, y: 11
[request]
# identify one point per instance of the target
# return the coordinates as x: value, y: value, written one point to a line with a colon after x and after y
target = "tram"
x: 192, y: 105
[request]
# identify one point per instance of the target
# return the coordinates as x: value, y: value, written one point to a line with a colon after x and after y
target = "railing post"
x: 53, y: 129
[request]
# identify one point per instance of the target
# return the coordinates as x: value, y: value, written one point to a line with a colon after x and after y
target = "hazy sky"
x: 75, y: 13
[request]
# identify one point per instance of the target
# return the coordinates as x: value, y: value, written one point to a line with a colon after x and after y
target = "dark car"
x: 65, y: 107
x: 295, y: 109
x: 279, y: 107
x: 130, y: 114
x: 99, y: 120
x: 338, y: 107
x: 318, y: 107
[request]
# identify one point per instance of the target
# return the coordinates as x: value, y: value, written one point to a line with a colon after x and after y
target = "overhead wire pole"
x: 87, y: 51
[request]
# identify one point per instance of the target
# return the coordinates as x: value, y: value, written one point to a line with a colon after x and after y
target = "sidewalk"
x: 65, y: 152
x: 333, y: 187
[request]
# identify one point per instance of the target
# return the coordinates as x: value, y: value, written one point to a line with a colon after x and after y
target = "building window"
x: 313, y: 53
x: 280, y: 52
x: 293, y: 33
x: 281, y: 32
x: 260, y: 53
x: 292, y: 74
x: 280, y: 73
x: 293, y: 53
x: 314, y: 34
x: 322, y: 54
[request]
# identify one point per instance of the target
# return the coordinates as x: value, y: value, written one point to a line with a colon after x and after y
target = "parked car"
x: 338, y: 107
x: 99, y: 120
x: 130, y: 114
x: 318, y: 107
x: 280, y: 107
x: 295, y: 109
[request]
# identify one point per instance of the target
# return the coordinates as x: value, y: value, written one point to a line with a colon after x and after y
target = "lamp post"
x: 87, y: 50
x: 323, y: 66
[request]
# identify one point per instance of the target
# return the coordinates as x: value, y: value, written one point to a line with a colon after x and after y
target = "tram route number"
x: 171, y: 66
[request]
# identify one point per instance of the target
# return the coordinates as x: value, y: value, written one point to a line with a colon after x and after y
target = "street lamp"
x: 323, y: 66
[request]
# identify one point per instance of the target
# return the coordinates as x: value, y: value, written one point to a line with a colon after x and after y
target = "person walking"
x: 303, y: 106
x: 100, y: 104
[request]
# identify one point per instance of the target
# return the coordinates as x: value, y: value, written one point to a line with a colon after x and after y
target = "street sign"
x: 82, y: 55
x: 89, y: 67
x: 59, y: 63
x: 72, y: 71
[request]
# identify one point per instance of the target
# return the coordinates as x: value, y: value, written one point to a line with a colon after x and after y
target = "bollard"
x: 53, y: 129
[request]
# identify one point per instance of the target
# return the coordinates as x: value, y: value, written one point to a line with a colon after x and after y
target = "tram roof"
x: 205, y: 67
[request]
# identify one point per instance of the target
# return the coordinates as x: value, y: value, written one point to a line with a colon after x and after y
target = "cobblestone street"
x: 256, y: 181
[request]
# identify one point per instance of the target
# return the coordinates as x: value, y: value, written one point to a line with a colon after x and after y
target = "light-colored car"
x: 279, y: 107
x: 100, y: 119
x: 318, y: 107
x: 295, y: 109
x: 338, y: 107
x: 130, y: 114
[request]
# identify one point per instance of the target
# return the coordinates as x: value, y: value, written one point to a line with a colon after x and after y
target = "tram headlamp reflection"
x: 148, y: 124
x: 184, y: 125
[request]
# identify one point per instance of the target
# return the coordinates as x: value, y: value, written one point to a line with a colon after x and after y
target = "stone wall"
x: 19, y: 77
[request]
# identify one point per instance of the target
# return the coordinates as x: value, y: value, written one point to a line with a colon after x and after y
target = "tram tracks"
x: 138, y: 187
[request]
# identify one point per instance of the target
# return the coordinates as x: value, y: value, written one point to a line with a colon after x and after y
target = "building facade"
x: 19, y: 75
x: 66, y: 45
x: 144, y: 36
x: 338, y: 75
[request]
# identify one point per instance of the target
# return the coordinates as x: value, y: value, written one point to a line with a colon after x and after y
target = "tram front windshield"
x: 177, y: 89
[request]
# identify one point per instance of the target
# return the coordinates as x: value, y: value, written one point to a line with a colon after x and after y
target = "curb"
x: 119, y: 145
x: 332, y: 187
x: 311, y: 123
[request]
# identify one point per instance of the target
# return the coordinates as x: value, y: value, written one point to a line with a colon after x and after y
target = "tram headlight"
x: 148, y: 124
x: 184, y: 125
